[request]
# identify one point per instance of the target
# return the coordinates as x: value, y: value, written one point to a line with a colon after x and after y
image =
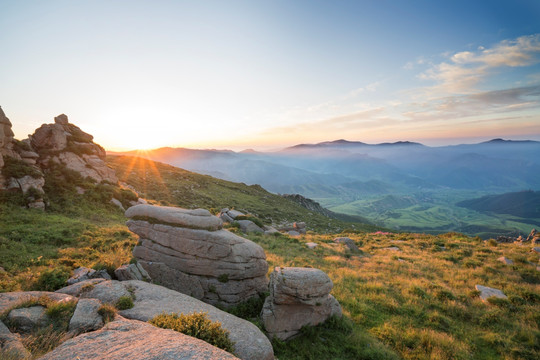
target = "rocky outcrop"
x: 244, y: 222
x: 151, y: 300
x: 131, y: 272
x: 187, y: 251
x: 84, y: 273
x: 532, y: 236
x: 66, y: 144
x: 18, y: 170
x: 298, y: 297
x: 349, y: 243
x: 130, y: 339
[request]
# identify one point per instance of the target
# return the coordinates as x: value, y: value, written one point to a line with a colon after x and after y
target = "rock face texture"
x: 187, y: 251
x: 11, y: 345
x: 18, y: 170
x: 131, y: 272
x: 298, y: 297
x: 151, y: 300
x: 66, y: 144
x: 130, y: 339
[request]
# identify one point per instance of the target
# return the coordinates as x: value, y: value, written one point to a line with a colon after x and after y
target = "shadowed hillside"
x: 174, y: 186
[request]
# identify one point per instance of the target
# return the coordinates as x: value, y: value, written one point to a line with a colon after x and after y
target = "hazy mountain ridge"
x: 341, y: 172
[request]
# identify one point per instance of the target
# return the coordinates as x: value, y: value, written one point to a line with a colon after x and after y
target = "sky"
x: 268, y: 74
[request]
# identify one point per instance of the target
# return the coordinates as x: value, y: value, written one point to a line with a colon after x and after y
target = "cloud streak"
x: 466, y: 69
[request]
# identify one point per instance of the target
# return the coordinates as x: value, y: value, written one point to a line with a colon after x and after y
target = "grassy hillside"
x: 420, y: 301
x: 523, y: 204
x: 170, y: 185
x: 416, y: 302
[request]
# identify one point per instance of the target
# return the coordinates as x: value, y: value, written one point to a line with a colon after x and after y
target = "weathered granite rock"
x: 217, y: 266
x: 26, y: 319
x: 234, y: 213
x: 269, y: 230
x: 83, y: 273
x: 193, y: 219
x: 247, y: 226
x: 10, y: 299
x: 294, y: 233
x: 298, y: 297
x: 11, y: 346
x: 505, y: 260
x: 348, y: 242
x: 487, y: 292
x: 531, y: 236
x: 151, y: 300
x: 132, y: 272
x: 86, y: 317
x: 134, y: 340
x: 300, y: 227
x: 118, y: 204
x: 80, y: 287
x: 67, y: 144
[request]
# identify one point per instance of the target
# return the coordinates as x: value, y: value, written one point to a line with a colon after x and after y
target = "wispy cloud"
x: 464, y: 70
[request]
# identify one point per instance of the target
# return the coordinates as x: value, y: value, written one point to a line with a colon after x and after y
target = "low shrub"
x: 197, y: 325
x: 249, y: 309
x: 51, y: 280
x: 15, y: 168
x: 124, y: 303
x: 107, y: 312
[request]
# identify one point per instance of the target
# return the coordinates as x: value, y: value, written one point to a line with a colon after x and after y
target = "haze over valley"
x: 402, y: 185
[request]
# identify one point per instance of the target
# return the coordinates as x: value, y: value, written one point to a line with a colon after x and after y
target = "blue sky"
x: 265, y: 74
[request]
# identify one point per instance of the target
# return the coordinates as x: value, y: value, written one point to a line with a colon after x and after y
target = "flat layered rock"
x: 487, y: 292
x: 151, y: 300
x: 197, y: 219
x: 134, y: 340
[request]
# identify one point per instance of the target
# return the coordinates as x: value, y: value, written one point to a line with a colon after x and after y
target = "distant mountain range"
x: 336, y: 173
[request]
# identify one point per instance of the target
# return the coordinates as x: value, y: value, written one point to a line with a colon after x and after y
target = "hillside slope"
x: 523, y: 204
x: 170, y: 185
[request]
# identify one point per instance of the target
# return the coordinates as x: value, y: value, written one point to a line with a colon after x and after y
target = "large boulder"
x: 185, y: 250
x: 298, y: 297
x: 130, y: 339
x: 151, y: 300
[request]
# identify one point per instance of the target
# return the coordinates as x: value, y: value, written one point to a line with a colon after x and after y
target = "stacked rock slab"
x: 298, y: 297
x: 188, y: 251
